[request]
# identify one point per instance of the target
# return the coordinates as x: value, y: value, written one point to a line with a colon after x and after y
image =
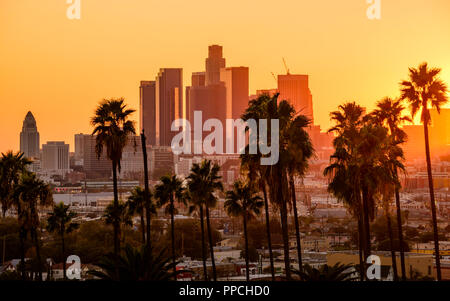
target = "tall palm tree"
x: 11, y: 167
x: 167, y: 192
x: 242, y: 201
x: 424, y: 90
x: 118, y: 214
x: 60, y: 221
x: 204, y: 182
x: 389, y: 112
x: 138, y: 205
x: 298, y: 151
x: 33, y: 192
x: 196, y: 205
x: 251, y: 166
x: 113, y: 128
x: 343, y: 171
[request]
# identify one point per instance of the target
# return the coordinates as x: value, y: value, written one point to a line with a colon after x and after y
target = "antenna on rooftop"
x: 286, y: 67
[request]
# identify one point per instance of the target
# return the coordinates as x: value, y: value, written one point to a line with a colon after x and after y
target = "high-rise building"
x: 294, y: 88
x: 93, y: 166
x: 147, y: 104
x: 236, y: 84
x: 29, y: 137
x: 79, y: 147
x: 169, y: 103
x: 55, y: 157
x: 214, y: 62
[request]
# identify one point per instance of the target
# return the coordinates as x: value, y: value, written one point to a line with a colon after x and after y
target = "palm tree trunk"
x: 38, y: 253
x: 432, y: 203
x: 172, y: 233
x: 400, y: 232
x: 143, y: 227
x: 116, y: 204
x: 202, y: 227
x: 146, y: 189
x: 269, y: 239
x: 361, y: 247
x: 367, y: 251
x: 22, y: 252
x: 297, y: 228
x: 63, y: 250
x: 247, y: 266
x: 285, y: 232
x: 211, y: 247
x: 391, y: 239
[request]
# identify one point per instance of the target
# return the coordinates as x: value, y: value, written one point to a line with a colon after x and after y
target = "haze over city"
x: 60, y: 69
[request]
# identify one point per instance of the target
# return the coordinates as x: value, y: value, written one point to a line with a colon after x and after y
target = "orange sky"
x: 60, y: 68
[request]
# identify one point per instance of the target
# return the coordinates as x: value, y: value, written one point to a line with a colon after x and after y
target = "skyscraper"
x: 169, y: 103
x: 29, y: 137
x: 294, y: 88
x: 213, y: 63
x: 93, y: 166
x: 147, y: 104
x: 55, y: 157
x: 236, y: 84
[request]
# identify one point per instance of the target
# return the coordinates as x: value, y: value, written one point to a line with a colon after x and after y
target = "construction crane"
x: 286, y: 67
x: 274, y: 77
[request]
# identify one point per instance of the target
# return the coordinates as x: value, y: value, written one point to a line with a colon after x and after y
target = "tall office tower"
x: 147, y: 104
x: 214, y: 62
x: 169, y: 103
x: 236, y: 84
x: 55, y: 157
x: 294, y: 88
x: 29, y: 137
x: 79, y: 146
x: 93, y: 166
x: 440, y: 131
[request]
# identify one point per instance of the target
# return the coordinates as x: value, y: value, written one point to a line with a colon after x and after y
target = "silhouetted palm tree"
x: 167, y: 192
x: 196, y: 205
x: 113, y: 129
x: 252, y: 167
x: 119, y: 214
x: 32, y: 192
x: 137, y: 205
x: 60, y: 222
x: 12, y: 165
x: 423, y: 91
x: 343, y: 171
x: 137, y: 265
x: 204, y: 182
x: 242, y: 201
x: 389, y: 112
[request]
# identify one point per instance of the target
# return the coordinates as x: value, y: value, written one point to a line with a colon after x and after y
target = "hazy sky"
x: 60, y: 69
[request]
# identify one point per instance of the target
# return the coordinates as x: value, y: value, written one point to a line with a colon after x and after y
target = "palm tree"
x: 425, y: 90
x: 343, y: 170
x: 170, y: 189
x: 203, y: 182
x: 251, y: 166
x: 112, y: 129
x: 337, y: 272
x: 137, y: 265
x: 137, y: 205
x: 32, y: 192
x: 11, y: 167
x: 118, y: 214
x: 60, y: 221
x: 389, y: 113
x: 242, y: 201
x: 298, y: 151
x: 196, y: 205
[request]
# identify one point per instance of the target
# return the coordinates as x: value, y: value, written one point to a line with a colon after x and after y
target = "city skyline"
x: 78, y: 63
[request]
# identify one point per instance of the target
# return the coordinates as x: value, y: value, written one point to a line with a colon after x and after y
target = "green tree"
x: 424, y: 90
x: 243, y: 202
x: 113, y: 129
x: 60, y: 221
x: 167, y: 192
